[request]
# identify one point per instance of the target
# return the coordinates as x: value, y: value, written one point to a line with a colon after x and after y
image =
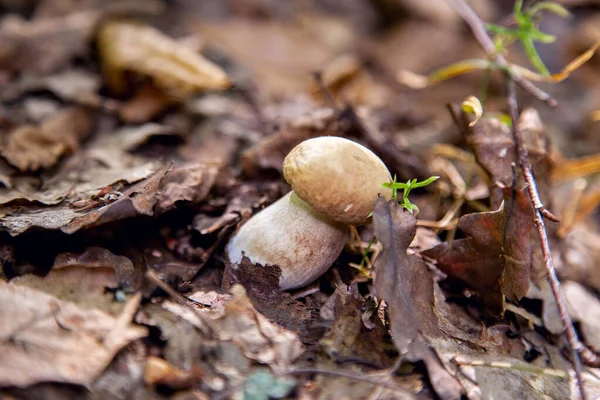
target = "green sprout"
x: 407, y: 187
x: 365, y: 254
x: 527, y: 31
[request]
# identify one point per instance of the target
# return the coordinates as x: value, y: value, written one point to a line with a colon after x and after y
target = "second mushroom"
x: 335, y: 183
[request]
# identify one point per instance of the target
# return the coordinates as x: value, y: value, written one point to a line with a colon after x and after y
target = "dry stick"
x: 480, y: 33
x: 181, y: 299
x: 574, y: 342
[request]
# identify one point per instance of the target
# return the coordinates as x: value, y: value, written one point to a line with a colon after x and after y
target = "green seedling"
x: 527, y: 32
x: 524, y: 30
x: 407, y: 187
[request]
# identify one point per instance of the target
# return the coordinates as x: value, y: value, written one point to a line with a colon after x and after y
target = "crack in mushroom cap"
x: 338, y: 177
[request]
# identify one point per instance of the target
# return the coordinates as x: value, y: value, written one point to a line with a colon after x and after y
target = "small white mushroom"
x: 335, y: 182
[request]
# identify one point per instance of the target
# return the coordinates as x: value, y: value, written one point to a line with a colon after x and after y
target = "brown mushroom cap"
x: 338, y: 177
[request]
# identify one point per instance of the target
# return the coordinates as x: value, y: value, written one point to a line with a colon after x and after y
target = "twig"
x: 480, y: 33
x: 181, y: 299
x: 574, y: 342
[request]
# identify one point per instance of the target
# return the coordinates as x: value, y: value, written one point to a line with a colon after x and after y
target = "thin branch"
x: 181, y: 299
x: 574, y: 342
x: 480, y: 33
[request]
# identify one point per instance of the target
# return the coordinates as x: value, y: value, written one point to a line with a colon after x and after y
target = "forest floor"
x: 136, y: 137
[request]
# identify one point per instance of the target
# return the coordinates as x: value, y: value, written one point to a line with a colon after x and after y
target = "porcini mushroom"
x: 335, y: 182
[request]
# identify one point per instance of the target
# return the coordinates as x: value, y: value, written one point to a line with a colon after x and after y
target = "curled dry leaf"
x: 135, y: 200
x: 496, y: 258
x: 30, y: 147
x: 253, y: 333
x: 45, y: 339
x: 143, y: 50
x: 405, y: 283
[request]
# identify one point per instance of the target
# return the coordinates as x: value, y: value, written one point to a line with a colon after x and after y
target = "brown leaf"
x: 239, y: 322
x: 96, y: 257
x: 84, y: 278
x: 46, y: 339
x: 496, y: 258
x: 493, y: 145
x: 140, y: 199
x: 403, y: 280
x: 135, y: 200
x: 30, y: 147
x: 406, y: 285
x: 173, y: 67
x: 159, y: 372
x: 44, y: 44
x: 187, y: 183
x: 352, y: 333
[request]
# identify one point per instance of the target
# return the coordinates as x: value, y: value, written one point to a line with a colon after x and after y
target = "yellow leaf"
x: 173, y: 67
x: 472, y: 105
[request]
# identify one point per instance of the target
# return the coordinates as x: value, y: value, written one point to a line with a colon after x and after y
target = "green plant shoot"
x: 407, y: 187
x: 527, y: 31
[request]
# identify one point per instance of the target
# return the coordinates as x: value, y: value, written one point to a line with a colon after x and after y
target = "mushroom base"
x: 301, y: 241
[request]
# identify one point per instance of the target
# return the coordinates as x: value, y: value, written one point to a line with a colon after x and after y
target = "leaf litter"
x: 136, y: 137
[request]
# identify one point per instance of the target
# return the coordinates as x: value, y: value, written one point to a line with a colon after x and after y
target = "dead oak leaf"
x: 496, y: 257
x: 405, y: 283
x: 31, y: 147
x: 44, y: 339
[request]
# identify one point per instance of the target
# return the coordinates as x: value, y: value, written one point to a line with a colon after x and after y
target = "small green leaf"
x: 550, y: 6
x: 540, y: 36
x: 533, y: 56
x: 501, y: 30
x: 426, y: 182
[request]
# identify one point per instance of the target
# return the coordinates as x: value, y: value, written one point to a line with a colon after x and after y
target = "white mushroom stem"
x: 292, y: 235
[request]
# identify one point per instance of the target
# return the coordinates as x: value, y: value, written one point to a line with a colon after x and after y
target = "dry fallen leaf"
x: 493, y: 145
x: 173, y: 67
x: 406, y: 285
x: 496, y: 258
x: 84, y: 279
x: 255, y: 335
x: 30, y: 147
x: 159, y: 372
x: 137, y: 199
x: 43, y: 339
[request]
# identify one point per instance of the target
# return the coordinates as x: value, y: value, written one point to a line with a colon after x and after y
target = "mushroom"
x: 335, y: 182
